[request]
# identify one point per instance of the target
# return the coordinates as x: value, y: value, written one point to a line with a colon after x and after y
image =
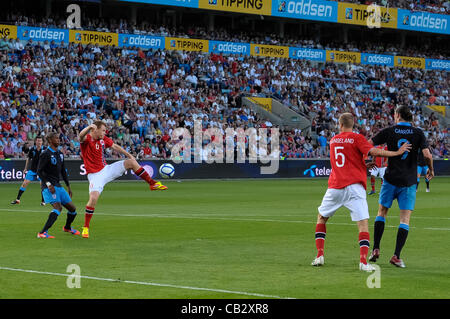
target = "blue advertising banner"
x: 432, y: 64
x: 141, y: 41
x: 12, y: 170
x: 377, y: 59
x: 178, y: 3
x: 308, y: 54
x: 318, y: 10
x: 229, y: 47
x: 423, y: 21
x: 42, y: 34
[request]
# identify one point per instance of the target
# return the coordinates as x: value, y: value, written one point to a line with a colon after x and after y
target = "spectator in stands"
x: 8, y: 150
x: 322, y: 141
x: 139, y: 105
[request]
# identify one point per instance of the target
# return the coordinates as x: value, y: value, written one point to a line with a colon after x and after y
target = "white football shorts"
x: 378, y: 172
x: 97, y: 181
x: 352, y: 197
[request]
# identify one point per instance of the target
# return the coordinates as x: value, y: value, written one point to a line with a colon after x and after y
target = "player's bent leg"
x: 364, y: 245
x: 378, y: 230
x: 331, y: 202
x: 93, y: 198
x: 50, y: 220
x: 132, y: 164
x: 22, y: 189
x: 406, y: 202
x: 71, y: 214
x: 363, y: 225
x: 90, y: 208
x: 402, y: 235
x: 382, y: 211
x: 405, y: 216
x: 25, y: 183
x: 387, y: 194
x: 320, y: 234
x: 373, y: 174
x: 359, y: 212
x: 42, y: 195
x: 142, y: 173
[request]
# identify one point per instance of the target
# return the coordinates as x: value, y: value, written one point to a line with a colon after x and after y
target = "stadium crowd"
x: 145, y: 95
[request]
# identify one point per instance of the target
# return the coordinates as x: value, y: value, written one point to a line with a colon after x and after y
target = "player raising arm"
x: 347, y: 186
x: 93, y: 141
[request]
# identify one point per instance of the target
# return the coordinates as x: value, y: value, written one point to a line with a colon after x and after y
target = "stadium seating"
x: 143, y: 96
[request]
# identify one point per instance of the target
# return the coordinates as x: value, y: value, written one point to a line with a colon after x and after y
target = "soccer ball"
x: 166, y: 170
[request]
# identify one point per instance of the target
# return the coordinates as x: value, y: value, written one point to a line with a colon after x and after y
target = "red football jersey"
x: 381, y: 161
x: 92, y: 152
x: 347, y: 153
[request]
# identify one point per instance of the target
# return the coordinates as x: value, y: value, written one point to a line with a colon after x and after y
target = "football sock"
x: 428, y: 183
x: 88, y: 215
x: 321, y: 231
x: 372, y: 183
x: 21, y: 191
x: 378, y: 231
x: 364, y: 245
x: 51, y: 219
x: 402, y: 234
x: 42, y: 198
x: 142, y: 173
x: 418, y: 181
x: 70, y: 217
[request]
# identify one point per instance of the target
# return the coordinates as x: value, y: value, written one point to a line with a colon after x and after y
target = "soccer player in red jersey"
x: 347, y: 186
x: 93, y: 141
x: 378, y: 170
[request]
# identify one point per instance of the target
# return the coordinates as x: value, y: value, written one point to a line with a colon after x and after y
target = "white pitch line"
x: 216, y: 217
x: 150, y: 283
x: 205, y: 218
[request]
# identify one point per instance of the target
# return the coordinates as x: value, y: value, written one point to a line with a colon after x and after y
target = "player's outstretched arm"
x: 43, y: 161
x: 384, y: 153
x: 65, y: 177
x: 85, y: 131
x: 429, y: 160
x: 25, y: 170
x: 120, y: 150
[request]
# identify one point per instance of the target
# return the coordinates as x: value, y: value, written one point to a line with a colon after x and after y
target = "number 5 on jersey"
x: 338, y: 155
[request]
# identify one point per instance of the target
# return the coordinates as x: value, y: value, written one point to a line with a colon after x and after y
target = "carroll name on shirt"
x: 404, y: 131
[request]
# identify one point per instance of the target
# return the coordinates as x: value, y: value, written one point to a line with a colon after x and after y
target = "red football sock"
x: 142, y: 173
x: 321, y: 231
x: 364, y: 244
x: 88, y: 215
x: 372, y: 182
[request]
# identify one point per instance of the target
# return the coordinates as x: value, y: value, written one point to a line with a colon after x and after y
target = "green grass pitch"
x: 217, y: 239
